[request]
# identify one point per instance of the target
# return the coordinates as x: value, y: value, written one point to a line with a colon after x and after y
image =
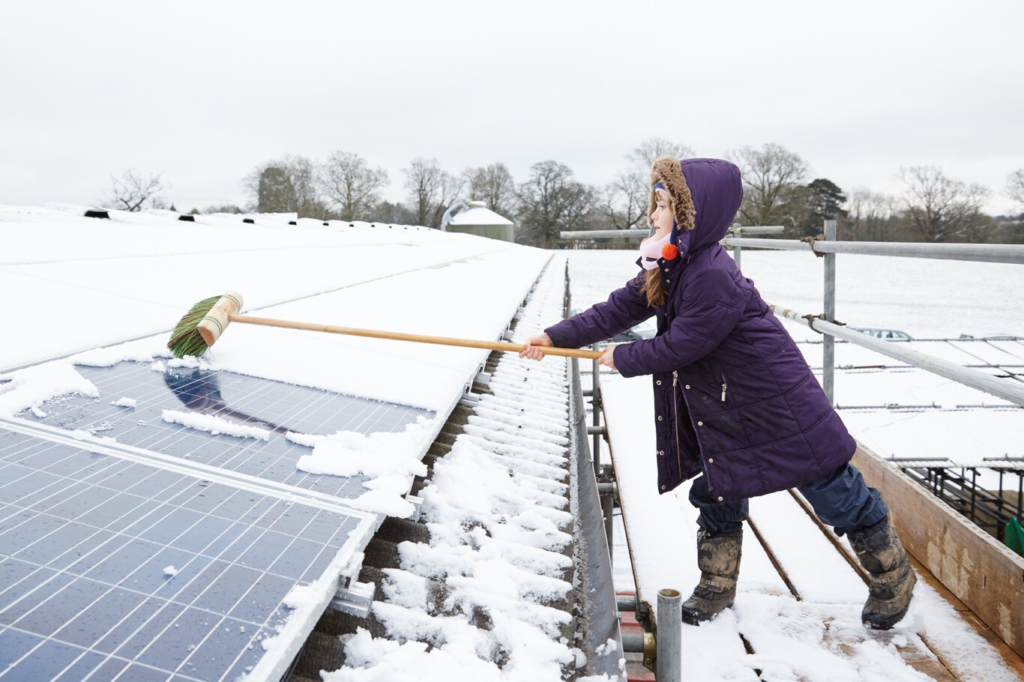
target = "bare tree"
x: 431, y: 190
x: 552, y: 201
x: 494, y: 186
x: 1015, y: 186
x: 941, y: 209
x: 287, y: 185
x: 772, y: 176
x: 304, y: 175
x: 626, y: 200
x: 349, y: 184
x: 133, y: 190
x: 644, y: 154
x: 870, y: 215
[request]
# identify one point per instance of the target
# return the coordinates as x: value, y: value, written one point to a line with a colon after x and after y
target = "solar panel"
x: 271, y: 405
x: 110, y: 567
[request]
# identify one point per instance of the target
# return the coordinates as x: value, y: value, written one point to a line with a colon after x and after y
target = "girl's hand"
x: 531, y: 350
x: 607, y: 357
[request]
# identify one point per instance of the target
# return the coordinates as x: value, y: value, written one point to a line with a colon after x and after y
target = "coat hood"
x: 705, y: 193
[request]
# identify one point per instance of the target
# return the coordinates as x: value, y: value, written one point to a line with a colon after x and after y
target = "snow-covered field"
x: 925, y: 298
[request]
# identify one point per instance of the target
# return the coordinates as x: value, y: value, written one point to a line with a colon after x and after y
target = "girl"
x: 735, y: 402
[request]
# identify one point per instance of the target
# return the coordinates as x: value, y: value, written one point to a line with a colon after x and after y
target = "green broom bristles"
x: 186, y: 339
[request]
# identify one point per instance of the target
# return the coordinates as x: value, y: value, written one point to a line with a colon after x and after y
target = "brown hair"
x: 666, y: 170
x: 654, y: 287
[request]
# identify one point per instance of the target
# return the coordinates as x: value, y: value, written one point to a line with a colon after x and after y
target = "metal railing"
x: 826, y: 323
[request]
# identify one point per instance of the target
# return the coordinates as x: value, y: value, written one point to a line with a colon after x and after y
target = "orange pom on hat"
x: 669, y: 251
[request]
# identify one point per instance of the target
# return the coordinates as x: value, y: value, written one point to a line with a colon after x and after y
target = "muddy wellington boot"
x: 718, y: 558
x: 892, y: 577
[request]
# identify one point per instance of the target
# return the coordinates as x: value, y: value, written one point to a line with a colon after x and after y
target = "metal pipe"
x: 608, y: 509
x: 604, y: 234
x: 737, y: 251
x: 829, y: 346
x: 757, y: 229
x: 669, y: 657
x: 597, y: 405
x: 1011, y: 391
x: 633, y: 643
x: 985, y: 253
x: 598, y: 430
x: 625, y: 602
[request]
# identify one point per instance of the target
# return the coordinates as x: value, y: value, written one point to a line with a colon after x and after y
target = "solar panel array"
x: 115, y: 565
x: 274, y: 406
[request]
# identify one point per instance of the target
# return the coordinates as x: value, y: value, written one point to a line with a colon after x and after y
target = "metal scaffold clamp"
x: 810, y: 242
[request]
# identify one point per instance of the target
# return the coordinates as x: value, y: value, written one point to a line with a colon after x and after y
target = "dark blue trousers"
x: 841, y: 499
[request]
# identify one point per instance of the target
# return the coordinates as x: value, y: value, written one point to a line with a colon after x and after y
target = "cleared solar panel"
x: 270, y: 405
x: 113, y: 567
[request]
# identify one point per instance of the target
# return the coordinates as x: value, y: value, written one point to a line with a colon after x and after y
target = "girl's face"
x: 662, y: 216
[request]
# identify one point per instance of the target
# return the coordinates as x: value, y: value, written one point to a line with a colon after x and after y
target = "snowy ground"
x: 925, y: 298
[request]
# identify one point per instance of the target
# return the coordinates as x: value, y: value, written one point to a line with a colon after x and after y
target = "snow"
x: 936, y: 299
x: 498, y: 519
x: 479, y: 215
x: 215, y: 425
x: 170, y: 571
x: 121, y: 284
x: 32, y: 386
x: 389, y: 460
x: 494, y: 506
x: 101, y: 276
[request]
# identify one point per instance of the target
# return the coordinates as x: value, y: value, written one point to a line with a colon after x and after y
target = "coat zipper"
x: 724, y: 386
x: 675, y: 409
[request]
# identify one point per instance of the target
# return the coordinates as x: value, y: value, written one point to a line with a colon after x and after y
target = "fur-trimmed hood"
x: 705, y: 194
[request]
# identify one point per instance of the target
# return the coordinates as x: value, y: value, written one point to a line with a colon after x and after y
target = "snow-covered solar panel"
x: 133, y: 399
x: 110, y: 566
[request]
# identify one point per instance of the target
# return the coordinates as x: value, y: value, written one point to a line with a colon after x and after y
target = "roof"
x: 283, y: 450
x: 477, y: 213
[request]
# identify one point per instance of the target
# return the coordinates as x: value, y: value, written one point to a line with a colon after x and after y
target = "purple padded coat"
x: 732, y: 393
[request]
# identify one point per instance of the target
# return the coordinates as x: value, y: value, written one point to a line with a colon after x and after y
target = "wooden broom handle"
x: 419, y: 338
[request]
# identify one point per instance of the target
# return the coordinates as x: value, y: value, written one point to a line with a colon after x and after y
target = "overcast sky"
x: 202, y: 92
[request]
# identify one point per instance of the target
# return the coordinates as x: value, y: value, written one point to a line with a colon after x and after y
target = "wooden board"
x: 980, y: 571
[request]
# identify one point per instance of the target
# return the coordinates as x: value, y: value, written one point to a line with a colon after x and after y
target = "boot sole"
x: 694, y: 617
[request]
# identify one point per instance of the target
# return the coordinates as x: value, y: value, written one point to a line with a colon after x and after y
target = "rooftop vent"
x: 97, y: 214
x: 187, y: 218
x: 249, y: 220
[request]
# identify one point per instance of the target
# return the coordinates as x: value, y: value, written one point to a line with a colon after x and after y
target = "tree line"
x: 778, y: 190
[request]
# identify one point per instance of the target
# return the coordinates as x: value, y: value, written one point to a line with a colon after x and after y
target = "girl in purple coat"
x: 736, y: 404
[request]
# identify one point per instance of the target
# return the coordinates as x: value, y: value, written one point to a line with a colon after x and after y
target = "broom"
x: 201, y: 326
